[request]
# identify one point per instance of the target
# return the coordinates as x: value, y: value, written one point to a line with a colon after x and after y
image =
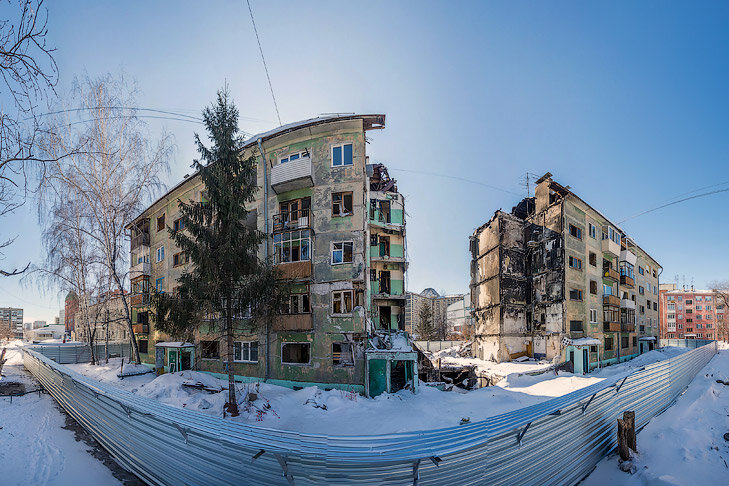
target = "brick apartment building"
x: 691, y: 314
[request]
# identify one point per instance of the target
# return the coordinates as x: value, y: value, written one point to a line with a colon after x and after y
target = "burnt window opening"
x: 384, y: 246
x: 209, y: 350
x: 385, y: 317
x: 593, y: 259
x: 295, y: 353
x: 342, y: 354
x: 593, y: 287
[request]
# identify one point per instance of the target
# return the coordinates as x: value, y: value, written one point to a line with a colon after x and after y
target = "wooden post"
x: 623, y: 449
x: 629, y: 419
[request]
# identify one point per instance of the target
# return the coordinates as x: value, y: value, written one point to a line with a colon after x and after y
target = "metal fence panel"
x: 558, y: 441
x: 65, y: 353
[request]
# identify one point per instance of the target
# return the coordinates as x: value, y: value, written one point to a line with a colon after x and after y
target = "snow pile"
x: 685, y: 444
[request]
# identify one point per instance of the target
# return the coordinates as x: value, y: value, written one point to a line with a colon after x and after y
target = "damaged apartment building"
x: 336, y: 227
x: 554, y: 278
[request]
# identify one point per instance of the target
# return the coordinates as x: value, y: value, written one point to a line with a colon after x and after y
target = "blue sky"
x: 626, y: 102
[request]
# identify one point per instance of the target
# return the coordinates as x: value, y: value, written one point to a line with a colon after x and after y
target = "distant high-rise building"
x: 11, y: 322
x: 687, y: 313
x: 438, y: 304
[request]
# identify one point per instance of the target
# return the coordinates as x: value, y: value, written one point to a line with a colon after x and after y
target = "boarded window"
x: 209, y: 350
x: 341, y: 204
x: 295, y: 353
x: 342, y: 354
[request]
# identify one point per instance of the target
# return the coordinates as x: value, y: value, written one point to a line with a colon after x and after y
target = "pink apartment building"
x: 690, y: 314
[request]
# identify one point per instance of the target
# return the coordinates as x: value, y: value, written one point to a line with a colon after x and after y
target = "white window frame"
x: 341, y: 293
x: 333, y: 250
x: 162, y: 254
x: 295, y: 364
x: 242, y: 347
x: 593, y: 316
x: 299, y: 155
x: 331, y: 154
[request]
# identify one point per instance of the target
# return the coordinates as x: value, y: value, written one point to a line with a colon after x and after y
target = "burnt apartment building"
x: 336, y: 227
x: 554, y: 278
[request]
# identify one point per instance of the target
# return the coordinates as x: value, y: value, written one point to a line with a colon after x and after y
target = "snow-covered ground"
x: 336, y: 412
x: 34, y: 448
x: 685, y: 444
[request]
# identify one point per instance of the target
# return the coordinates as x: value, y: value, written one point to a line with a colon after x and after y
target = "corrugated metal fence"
x: 555, y: 442
x: 65, y: 353
x: 686, y: 343
x: 434, y: 346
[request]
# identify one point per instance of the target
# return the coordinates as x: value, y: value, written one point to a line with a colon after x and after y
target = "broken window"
x: 593, y: 259
x: 180, y: 258
x: 624, y: 342
x: 385, y: 317
x: 342, y: 252
x: 373, y: 209
x: 143, y: 346
x: 384, y: 246
x: 374, y: 240
x: 209, y: 350
x: 593, y: 287
x: 292, y: 246
x: 373, y: 275
x: 385, y: 211
x: 635, y: 341
x: 593, y: 349
x: 295, y: 353
x: 575, y: 326
x: 575, y: 294
x: 292, y: 214
x: 593, y: 231
x: 161, y: 222
x: 575, y: 232
x: 341, y: 204
x: 299, y: 304
x: 178, y: 224
x: 608, y: 344
x: 245, y: 351
x: 342, y: 302
x: 385, y: 282
x: 575, y: 263
x: 342, y: 155
x: 342, y: 354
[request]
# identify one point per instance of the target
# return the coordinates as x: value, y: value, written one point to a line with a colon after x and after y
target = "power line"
x: 265, y: 67
x: 93, y: 108
x: 447, y: 176
x: 674, y: 202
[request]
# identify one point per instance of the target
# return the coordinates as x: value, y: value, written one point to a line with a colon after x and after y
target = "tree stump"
x: 623, y: 449
x: 629, y: 419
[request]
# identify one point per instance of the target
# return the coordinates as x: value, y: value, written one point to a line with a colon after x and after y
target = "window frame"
x: 342, y: 204
x: 157, y: 254
x: 341, y: 364
x: 578, y: 231
x: 343, y: 302
x: 202, y: 348
x: 341, y: 146
x: 333, y: 250
x: 249, y: 343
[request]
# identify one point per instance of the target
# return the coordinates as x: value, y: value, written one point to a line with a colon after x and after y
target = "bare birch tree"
x: 115, y: 175
x: 28, y: 74
x: 721, y: 292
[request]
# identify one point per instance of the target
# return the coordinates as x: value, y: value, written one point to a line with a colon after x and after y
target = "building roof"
x: 370, y: 122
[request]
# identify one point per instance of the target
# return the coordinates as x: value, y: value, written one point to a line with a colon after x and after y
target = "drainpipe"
x: 266, y: 229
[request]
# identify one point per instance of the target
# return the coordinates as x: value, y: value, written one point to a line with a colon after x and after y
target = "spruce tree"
x: 426, y: 328
x: 227, y: 282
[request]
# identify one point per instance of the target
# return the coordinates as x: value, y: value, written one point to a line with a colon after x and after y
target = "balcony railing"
x: 611, y: 300
x: 627, y: 303
x: 292, y: 220
x: 627, y: 327
x: 140, y: 269
x: 295, y: 174
x: 292, y: 322
x: 610, y: 273
x: 142, y: 239
x: 295, y: 270
x: 611, y: 327
x: 609, y: 246
x: 140, y: 328
x: 627, y: 281
x: 139, y: 299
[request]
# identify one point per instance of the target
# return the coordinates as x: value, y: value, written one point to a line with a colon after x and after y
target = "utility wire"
x: 91, y: 108
x: 674, y: 202
x: 264, y: 62
x: 435, y: 174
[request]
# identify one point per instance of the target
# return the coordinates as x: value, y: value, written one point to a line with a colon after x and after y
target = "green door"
x: 172, y: 360
x: 378, y: 376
